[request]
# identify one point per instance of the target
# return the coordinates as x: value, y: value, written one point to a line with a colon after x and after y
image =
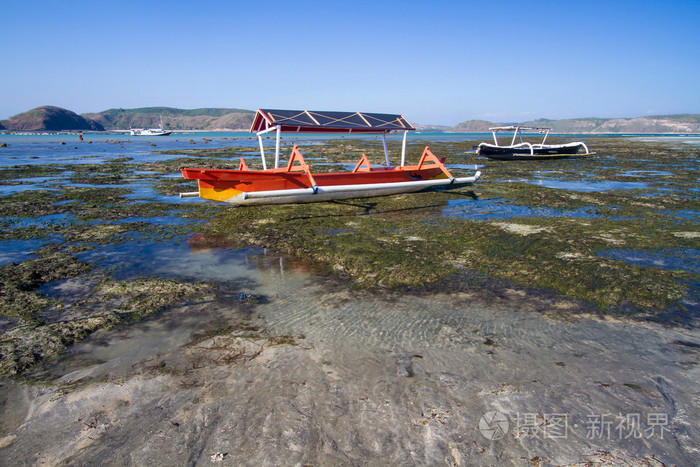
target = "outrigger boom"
x: 296, y: 184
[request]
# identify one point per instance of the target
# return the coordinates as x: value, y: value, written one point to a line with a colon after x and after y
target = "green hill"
x: 174, y: 119
x: 49, y: 118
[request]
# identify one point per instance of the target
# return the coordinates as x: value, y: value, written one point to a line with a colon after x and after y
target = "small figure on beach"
x: 80, y: 135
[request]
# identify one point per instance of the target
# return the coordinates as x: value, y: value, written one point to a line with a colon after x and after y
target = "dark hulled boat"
x: 528, y: 151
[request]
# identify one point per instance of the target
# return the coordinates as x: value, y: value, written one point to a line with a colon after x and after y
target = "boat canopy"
x: 520, y: 128
x: 518, y: 132
x: 312, y: 121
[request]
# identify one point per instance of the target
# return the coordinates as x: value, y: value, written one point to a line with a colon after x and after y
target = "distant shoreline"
x: 51, y: 118
x: 185, y: 132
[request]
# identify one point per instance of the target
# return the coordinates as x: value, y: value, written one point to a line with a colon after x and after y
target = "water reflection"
x: 684, y: 259
x: 498, y: 208
x: 16, y: 251
x: 584, y: 186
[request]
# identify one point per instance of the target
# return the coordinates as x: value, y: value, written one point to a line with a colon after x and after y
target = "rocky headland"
x: 49, y: 118
x: 674, y: 124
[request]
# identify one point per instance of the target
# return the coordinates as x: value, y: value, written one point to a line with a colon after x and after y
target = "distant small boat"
x: 150, y: 131
x: 528, y: 151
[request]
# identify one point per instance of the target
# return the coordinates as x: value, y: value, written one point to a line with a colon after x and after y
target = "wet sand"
x: 359, y: 380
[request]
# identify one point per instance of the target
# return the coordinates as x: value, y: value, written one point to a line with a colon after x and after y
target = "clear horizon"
x: 437, y: 63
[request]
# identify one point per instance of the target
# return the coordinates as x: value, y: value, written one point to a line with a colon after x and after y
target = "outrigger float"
x: 525, y: 150
x: 295, y: 183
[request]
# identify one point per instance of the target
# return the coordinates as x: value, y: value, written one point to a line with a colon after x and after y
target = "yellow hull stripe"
x: 217, y: 194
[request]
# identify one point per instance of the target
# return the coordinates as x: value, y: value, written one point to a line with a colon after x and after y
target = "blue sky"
x: 436, y: 62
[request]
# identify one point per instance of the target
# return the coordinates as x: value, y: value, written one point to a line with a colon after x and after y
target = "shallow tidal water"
x: 364, y: 378
x: 417, y: 374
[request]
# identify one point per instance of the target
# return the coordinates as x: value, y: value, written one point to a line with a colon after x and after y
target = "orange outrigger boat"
x: 294, y: 183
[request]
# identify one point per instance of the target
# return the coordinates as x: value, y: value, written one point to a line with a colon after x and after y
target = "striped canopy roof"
x: 311, y: 121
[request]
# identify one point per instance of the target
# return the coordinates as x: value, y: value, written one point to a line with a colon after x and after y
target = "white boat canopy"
x: 521, y: 128
x: 308, y: 121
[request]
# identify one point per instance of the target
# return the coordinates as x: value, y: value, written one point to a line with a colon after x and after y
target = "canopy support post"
x: 277, y: 147
x: 262, y: 151
x: 403, y: 149
x: 386, y: 151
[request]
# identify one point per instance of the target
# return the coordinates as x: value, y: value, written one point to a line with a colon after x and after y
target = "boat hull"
x: 150, y: 133
x: 245, y: 187
x: 296, y: 184
x: 553, y: 151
